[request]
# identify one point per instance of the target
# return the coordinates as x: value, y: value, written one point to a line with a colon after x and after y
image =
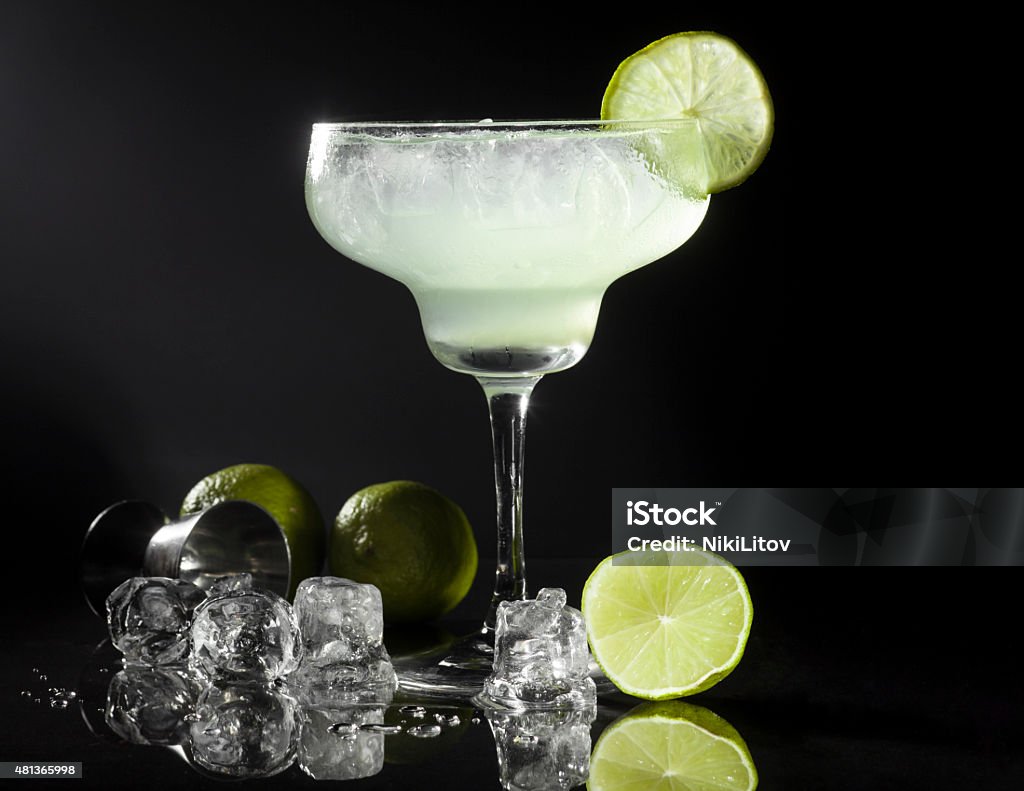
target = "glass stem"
x: 508, y: 400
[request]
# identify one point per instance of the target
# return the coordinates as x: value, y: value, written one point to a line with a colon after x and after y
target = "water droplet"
x: 43, y: 677
x: 450, y: 720
x: 36, y: 670
x: 424, y: 731
x: 475, y: 721
x: 372, y: 727
x: 526, y: 738
x: 71, y: 695
x: 104, y: 670
x: 37, y: 700
x: 26, y: 693
x: 58, y: 703
x: 417, y: 712
x: 344, y: 728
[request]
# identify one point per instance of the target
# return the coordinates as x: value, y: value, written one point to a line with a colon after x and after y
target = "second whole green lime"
x: 415, y: 544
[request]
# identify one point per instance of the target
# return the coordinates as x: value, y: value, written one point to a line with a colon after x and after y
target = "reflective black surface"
x: 853, y: 679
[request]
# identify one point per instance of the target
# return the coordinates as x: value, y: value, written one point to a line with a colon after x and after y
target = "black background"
x: 171, y: 310
x: 168, y: 309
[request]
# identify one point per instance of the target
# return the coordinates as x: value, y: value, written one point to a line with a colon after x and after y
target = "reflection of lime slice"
x: 409, y: 540
x: 663, y: 631
x: 708, y: 78
x: 283, y: 498
x: 673, y: 746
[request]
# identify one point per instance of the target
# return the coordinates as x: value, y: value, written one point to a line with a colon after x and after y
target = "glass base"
x: 453, y: 672
x: 457, y: 672
x: 507, y: 362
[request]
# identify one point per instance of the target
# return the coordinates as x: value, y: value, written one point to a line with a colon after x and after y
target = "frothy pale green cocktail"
x: 506, y: 234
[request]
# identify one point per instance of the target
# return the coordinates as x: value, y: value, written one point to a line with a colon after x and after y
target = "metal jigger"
x: 134, y: 538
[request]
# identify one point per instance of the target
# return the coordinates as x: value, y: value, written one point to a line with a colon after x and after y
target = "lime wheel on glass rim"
x: 707, y: 78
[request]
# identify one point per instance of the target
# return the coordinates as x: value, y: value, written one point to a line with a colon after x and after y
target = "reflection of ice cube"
x: 543, y: 750
x: 148, y: 705
x: 244, y: 730
x: 313, y: 695
x: 249, y: 634
x: 149, y: 619
x: 230, y: 583
x: 342, y: 626
x: 334, y: 745
x: 540, y: 653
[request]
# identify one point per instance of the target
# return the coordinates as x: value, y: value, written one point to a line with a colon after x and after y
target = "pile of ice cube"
x: 332, y: 637
x: 255, y: 684
x: 239, y: 664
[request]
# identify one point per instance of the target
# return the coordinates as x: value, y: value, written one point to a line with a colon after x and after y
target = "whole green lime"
x: 283, y: 498
x: 409, y: 540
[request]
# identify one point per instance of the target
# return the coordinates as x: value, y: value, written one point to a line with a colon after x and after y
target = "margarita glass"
x: 507, y: 234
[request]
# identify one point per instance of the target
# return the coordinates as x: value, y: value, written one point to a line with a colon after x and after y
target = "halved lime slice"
x: 708, y: 78
x: 673, y: 746
x: 669, y: 630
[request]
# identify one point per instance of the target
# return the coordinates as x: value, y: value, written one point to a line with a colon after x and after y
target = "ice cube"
x: 334, y: 742
x: 543, y: 750
x: 244, y: 730
x: 149, y: 705
x: 410, y: 181
x: 245, y: 634
x: 230, y: 583
x: 540, y: 654
x: 149, y: 619
x: 342, y: 626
